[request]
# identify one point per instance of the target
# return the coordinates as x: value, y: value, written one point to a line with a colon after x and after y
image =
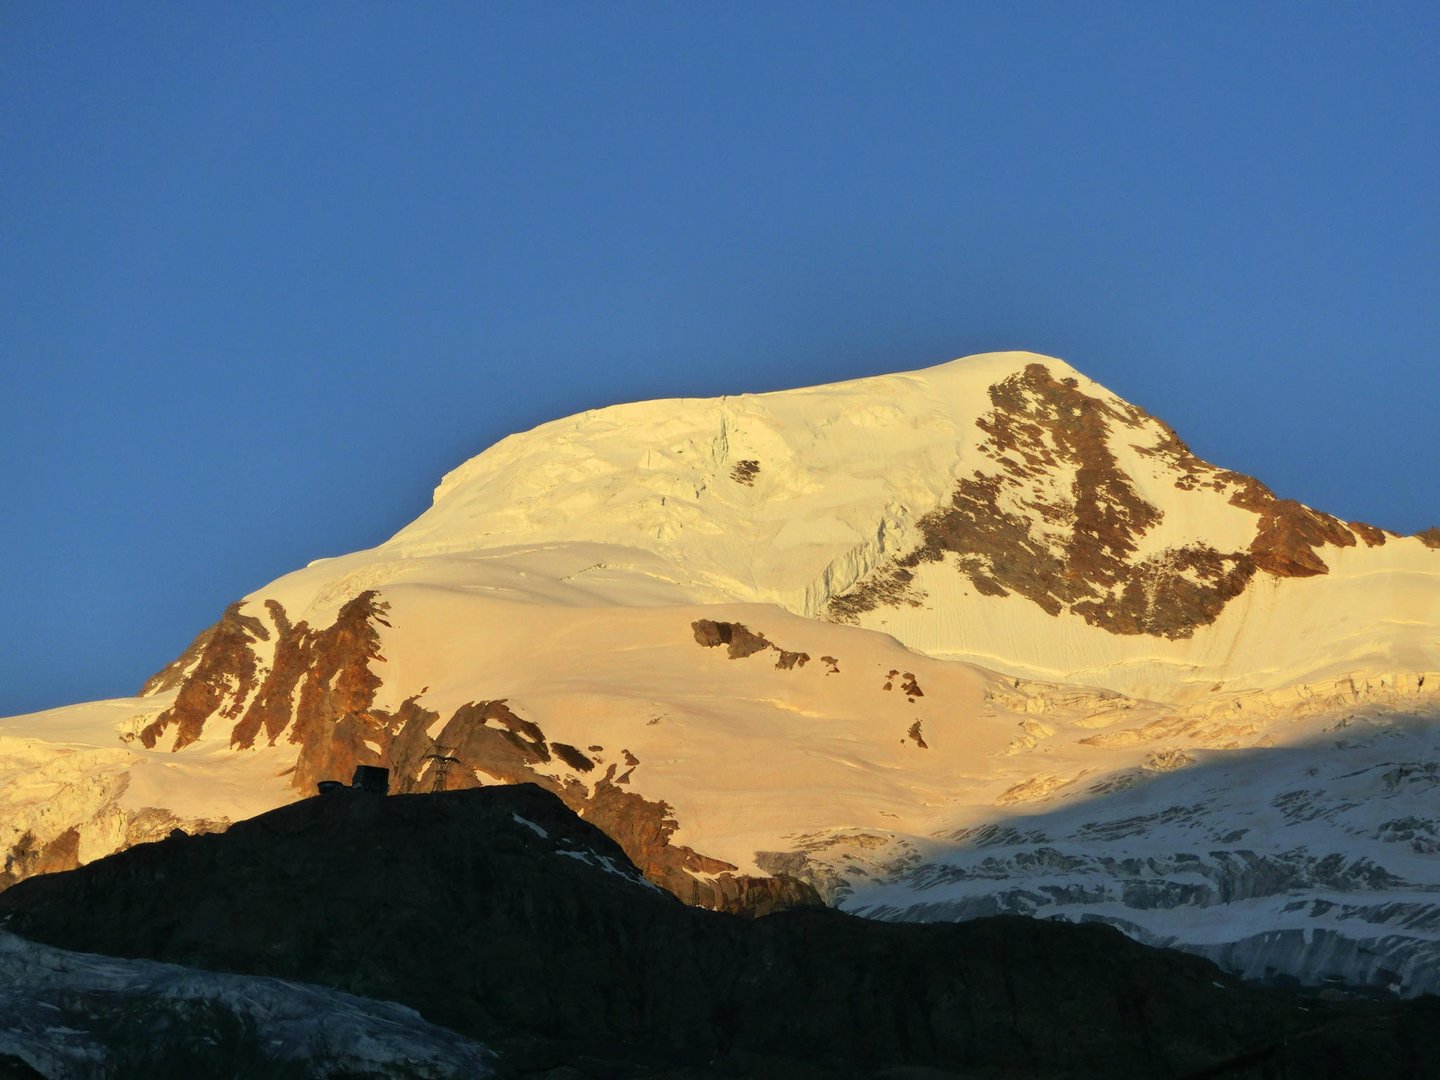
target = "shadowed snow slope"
x: 77, y: 1015
x: 834, y: 634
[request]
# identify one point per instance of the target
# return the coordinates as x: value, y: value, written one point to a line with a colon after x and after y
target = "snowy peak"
x: 1006, y: 455
x: 1002, y: 509
x: 1083, y: 503
x: 784, y: 497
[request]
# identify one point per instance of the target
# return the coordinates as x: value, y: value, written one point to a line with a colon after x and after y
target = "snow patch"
x: 536, y: 829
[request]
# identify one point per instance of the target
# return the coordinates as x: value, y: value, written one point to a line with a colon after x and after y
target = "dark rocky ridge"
x: 500, y: 914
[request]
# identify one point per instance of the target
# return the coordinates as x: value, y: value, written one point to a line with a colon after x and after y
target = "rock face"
x: 488, y: 738
x: 1052, y: 515
x: 319, y: 685
x: 501, y: 915
x: 740, y: 641
x: 319, y: 694
x: 215, y: 675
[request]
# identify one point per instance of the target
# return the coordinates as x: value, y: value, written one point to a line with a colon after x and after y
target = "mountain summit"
x: 1001, y: 509
x: 978, y: 638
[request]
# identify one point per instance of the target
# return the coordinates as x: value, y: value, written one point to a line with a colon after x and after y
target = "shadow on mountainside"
x: 500, y: 914
x: 1336, y: 837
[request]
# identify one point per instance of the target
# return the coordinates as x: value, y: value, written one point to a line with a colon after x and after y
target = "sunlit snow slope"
x: 1062, y: 533
x: 844, y: 635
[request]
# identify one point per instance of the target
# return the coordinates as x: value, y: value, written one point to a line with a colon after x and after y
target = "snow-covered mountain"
x: 978, y: 637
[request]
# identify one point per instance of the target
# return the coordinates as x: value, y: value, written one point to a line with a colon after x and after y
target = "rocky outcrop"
x: 1056, y: 519
x: 333, y: 724
x: 28, y: 857
x: 486, y: 742
x: 174, y: 673
x: 1372, y: 536
x: 215, y: 674
x: 318, y: 693
x: 745, y: 472
x: 319, y: 685
x: 1288, y: 535
x: 740, y: 641
x: 272, y: 708
x: 501, y: 915
x: 908, y: 685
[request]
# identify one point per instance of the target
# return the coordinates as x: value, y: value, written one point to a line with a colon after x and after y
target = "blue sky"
x: 268, y: 271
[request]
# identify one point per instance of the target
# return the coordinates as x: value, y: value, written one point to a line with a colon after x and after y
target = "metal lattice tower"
x: 443, y: 757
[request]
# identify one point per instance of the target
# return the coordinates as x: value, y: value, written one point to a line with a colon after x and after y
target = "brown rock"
x: 489, y: 742
x: 332, y: 716
x: 219, y: 657
x: 1287, y: 537
x: 741, y: 641
x: 1076, y: 550
x: 572, y: 757
x: 1372, y: 536
x: 745, y: 472
x: 27, y: 857
x: 274, y: 703
x: 708, y: 633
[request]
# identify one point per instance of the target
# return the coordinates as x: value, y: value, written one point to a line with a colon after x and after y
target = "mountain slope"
x: 835, y: 633
x: 1001, y: 509
x: 86, y: 1016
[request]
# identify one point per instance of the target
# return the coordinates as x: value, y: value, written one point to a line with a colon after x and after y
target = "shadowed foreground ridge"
x: 500, y: 914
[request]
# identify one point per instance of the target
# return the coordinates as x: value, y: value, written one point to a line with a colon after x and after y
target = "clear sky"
x: 268, y: 270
